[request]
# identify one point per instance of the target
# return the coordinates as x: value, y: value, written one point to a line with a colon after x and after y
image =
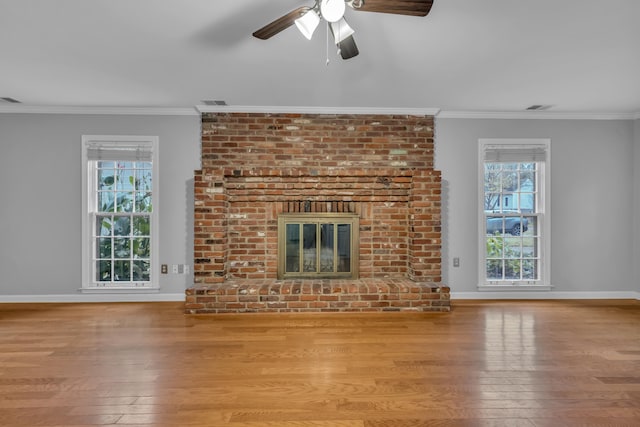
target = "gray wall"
x: 592, y: 199
x: 595, y: 173
x: 40, y: 198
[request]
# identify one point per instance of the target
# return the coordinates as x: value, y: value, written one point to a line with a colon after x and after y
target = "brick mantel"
x: 256, y: 166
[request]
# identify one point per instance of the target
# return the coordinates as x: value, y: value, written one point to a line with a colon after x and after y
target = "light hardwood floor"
x: 509, y: 363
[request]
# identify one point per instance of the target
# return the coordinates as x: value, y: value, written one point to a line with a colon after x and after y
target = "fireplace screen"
x: 317, y: 245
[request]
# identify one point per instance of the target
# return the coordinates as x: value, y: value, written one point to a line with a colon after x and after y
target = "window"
x: 316, y: 245
x: 119, y: 219
x: 514, y: 214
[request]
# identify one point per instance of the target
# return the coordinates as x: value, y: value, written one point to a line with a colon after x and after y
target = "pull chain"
x: 327, y: 64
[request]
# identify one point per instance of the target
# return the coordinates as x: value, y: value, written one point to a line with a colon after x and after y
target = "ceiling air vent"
x: 539, y: 107
x: 209, y: 102
x: 10, y: 100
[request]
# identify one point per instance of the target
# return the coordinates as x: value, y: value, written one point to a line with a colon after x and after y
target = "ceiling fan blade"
x: 399, y: 7
x: 348, y: 48
x: 280, y: 24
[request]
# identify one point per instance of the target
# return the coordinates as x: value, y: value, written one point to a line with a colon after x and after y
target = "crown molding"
x: 199, y: 109
x: 141, y: 111
x: 535, y: 115
x: 316, y: 110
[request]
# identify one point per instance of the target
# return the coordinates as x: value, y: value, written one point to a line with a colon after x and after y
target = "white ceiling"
x: 580, y: 56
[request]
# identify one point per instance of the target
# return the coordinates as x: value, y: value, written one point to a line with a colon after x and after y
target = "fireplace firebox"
x: 319, y: 245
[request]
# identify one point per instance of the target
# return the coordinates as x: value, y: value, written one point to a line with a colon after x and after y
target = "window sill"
x: 120, y: 290
x: 514, y: 287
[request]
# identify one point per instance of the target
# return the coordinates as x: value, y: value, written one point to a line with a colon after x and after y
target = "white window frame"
x: 89, y: 201
x: 542, y: 213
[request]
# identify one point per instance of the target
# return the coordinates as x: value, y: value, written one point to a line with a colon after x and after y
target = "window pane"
x: 512, y: 269
x: 310, y: 248
x: 124, y: 165
x: 103, y: 225
x: 122, y: 271
x: 103, y: 247
x: 141, y: 226
x: 494, y: 269
x: 529, y: 269
x: 124, y: 201
x: 121, y: 248
x: 106, y: 201
x: 531, y: 223
x: 103, y: 271
x: 492, y: 187
x: 494, y: 246
x: 122, y: 226
x: 512, y: 247
x: 143, y: 180
x: 142, y: 247
x: 326, y: 247
x: 125, y: 180
x: 141, y: 271
x: 106, y: 179
x: 509, y: 180
x: 344, y: 248
x: 292, y: 263
x: 143, y: 202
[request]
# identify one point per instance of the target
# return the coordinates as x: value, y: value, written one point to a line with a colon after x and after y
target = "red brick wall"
x: 256, y: 165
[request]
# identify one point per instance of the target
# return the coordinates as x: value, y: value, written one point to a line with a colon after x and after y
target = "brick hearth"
x: 250, y: 296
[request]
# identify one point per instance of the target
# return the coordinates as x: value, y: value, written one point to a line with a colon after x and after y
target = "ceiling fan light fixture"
x: 308, y: 23
x: 348, y: 48
x: 341, y: 30
x: 332, y: 10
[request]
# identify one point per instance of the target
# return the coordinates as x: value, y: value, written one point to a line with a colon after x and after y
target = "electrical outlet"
x: 174, y: 268
x: 456, y: 262
x: 164, y: 269
x: 187, y: 269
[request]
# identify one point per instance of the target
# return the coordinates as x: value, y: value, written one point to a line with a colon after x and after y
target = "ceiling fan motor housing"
x: 332, y: 10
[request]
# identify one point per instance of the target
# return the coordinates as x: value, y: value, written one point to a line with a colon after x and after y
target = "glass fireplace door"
x: 312, y: 246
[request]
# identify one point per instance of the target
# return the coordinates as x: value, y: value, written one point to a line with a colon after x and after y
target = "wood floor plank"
x: 486, y: 363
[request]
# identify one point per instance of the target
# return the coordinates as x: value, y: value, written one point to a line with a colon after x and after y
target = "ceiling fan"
x: 307, y: 19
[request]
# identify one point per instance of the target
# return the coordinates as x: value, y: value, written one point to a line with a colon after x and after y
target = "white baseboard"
x: 105, y: 297
x: 544, y: 295
x: 68, y: 298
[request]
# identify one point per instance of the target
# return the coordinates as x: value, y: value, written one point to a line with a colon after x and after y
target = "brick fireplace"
x: 259, y: 167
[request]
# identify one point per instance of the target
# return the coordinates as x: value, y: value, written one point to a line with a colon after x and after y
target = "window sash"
x: 136, y: 242
x: 129, y: 189
x: 514, y: 258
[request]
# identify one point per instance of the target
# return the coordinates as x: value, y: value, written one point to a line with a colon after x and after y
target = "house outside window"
x: 514, y: 214
x: 120, y: 220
